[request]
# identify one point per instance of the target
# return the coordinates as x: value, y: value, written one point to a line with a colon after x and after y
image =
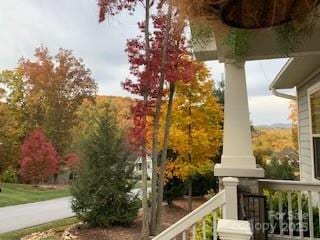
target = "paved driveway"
x: 31, y: 214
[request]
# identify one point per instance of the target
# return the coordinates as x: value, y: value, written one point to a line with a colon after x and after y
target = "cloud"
x: 73, y: 24
x: 263, y: 106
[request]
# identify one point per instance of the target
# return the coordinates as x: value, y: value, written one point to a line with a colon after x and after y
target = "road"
x: 31, y: 214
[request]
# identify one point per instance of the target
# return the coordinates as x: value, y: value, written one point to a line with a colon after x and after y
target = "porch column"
x: 237, y: 158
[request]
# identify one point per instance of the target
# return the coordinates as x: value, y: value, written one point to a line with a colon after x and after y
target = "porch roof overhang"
x: 296, y: 71
x: 263, y: 43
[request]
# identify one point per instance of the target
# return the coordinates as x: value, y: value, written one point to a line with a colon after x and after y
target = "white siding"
x: 306, y: 161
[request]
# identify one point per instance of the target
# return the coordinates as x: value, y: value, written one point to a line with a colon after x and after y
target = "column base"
x: 220, y: 171
x: 234, y: 230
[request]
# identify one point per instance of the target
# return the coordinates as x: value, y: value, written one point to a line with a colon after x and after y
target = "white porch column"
x: 237, y: 158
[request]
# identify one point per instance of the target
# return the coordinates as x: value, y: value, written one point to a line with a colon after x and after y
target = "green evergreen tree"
x: 102, y: 191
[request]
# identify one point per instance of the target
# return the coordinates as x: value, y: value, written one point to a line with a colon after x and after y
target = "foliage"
x: 39, y: 158
x: 269, y: 142
x: 102, y: 192
x: 204, y: 183
x: 237, y: 40
x: 173, y: 189
x: 304, y: 203
x: 196, y: 133
x: 46, y: 93
x: 208, y: 226
x: 280, y: 170
x: 201, y: 33
x: 11, y: 136
x: 9, y: 176
x: 294, y: 121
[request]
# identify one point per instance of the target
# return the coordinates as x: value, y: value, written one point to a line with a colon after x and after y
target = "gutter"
x: 275, y: 92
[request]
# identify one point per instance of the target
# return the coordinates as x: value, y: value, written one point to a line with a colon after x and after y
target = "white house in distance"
x: 138, y: 167
x: 303, y: 73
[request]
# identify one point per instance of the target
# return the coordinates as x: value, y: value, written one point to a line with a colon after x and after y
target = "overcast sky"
x: 73, y: 24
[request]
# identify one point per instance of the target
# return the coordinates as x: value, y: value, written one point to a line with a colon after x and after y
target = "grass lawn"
x: 13, y: 194
x: 58, y: 227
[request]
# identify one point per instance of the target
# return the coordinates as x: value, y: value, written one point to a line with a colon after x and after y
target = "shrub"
x: 304, y: 204
x: 9, y: 176
x: 203, y: 183
x: 102, y: 191
x: 173, y: 189
x: 280, y: 169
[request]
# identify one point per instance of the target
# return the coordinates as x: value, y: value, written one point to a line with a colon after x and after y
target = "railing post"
x: 230, y: 209
x: 234, y: 230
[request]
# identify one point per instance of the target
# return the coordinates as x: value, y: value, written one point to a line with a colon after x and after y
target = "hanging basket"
x: 252, y: 14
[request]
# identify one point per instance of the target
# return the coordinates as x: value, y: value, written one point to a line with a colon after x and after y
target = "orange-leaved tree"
x: 196, y: 130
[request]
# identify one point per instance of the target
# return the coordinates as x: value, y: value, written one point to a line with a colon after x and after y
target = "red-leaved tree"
x: 39, y: 159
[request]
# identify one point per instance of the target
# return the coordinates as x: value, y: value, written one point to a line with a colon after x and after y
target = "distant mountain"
x: 275, y: 125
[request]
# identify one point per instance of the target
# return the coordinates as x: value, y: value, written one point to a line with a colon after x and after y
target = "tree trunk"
x: 190, y: 155
x: 145, y: 221
x: 164, y: 156
x: 190, y: 195
x: 156, y: 124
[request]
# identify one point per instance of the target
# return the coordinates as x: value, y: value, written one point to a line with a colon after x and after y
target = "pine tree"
x: 102, y: 191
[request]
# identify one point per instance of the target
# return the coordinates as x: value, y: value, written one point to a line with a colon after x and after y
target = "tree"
x: 196, y: 132
x: 11, y: 135
x: 39, y: 158
x: 113, y: 7
x: 102, y: 192
x: 47, y: 91
x: 294, y: 121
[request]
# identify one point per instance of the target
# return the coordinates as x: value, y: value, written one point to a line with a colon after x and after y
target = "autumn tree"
x: 155, y: 59
x: 11, y: 135
x: 47, y: 91
x: 39, y: 159
x: 13, y: 126
x: 196, y: 133
x: 293, y: 116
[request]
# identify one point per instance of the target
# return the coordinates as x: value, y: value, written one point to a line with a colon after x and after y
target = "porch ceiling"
x: 262, y: 43
x: 296, y: 71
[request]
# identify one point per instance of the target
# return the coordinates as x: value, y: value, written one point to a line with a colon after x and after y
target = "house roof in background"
x: 297, y: 71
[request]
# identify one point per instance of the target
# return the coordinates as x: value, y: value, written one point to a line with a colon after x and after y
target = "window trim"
x: 314, y: 88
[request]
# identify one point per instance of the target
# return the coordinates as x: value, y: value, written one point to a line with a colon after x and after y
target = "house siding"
x: 305, y: 144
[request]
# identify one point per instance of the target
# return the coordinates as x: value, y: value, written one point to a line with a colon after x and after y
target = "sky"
x: 73, y: 24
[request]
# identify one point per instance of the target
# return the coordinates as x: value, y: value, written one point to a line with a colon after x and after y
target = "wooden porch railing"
x: 186, y: 228
x: 294, y: 209
x: 203, y: 223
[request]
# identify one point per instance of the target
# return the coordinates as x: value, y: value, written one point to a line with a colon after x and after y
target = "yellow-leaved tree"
x: 196, y: 129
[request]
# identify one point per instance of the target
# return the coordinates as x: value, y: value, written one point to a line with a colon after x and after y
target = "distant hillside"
x: 275, y: 125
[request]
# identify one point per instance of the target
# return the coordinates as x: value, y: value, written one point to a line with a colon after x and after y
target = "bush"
x: 280, y: 170
x: 9, y: 176
x: 203, y: 183
x: 294, y: 196
x: 173, y: 189
x: 102, y: 191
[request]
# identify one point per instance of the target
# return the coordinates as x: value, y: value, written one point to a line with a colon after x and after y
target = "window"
x: 315, y: 120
